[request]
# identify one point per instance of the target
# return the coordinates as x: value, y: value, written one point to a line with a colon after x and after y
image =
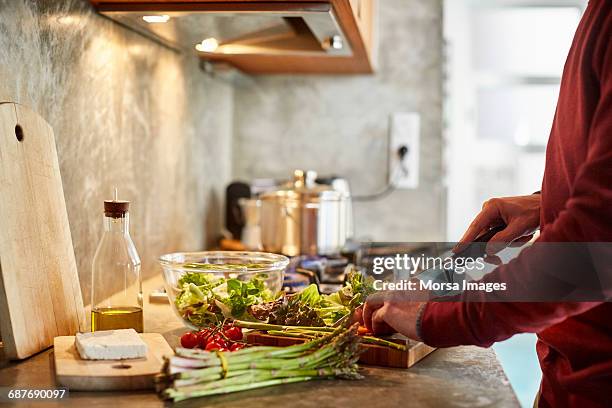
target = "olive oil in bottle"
x: 117, y: 318
x: 116, y: 286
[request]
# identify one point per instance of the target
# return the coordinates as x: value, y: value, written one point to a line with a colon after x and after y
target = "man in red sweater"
x: 575, y: 205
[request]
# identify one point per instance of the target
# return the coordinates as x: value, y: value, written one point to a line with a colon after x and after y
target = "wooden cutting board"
x: 40, y: 296
x: 373, y: 354
x: 104, y: 375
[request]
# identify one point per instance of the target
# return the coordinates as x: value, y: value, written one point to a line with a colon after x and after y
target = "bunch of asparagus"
x: 195, y: 373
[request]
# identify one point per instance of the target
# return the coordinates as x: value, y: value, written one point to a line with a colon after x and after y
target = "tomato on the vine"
x: 203, y: 336
x: 213, y: 346
x: 233, y: 333
x: 189, y: 340
x: 236, y: 346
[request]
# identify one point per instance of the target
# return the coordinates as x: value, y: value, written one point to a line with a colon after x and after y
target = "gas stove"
x: 328, y: 272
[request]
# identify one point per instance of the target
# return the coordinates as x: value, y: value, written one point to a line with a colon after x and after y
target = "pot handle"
x: 288, y: 214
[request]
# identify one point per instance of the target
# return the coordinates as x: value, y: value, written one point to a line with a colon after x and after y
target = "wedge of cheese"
x: 110, y: 345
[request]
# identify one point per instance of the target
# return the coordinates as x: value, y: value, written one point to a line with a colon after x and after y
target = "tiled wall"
x: 340, y: 125
x: 126, y: 112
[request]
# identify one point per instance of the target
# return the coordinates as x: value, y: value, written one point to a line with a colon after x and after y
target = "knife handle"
x: 476, y: 248
x: 486, y: 236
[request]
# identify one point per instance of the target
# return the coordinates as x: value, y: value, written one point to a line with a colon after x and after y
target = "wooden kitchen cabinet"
x: 259, y: 37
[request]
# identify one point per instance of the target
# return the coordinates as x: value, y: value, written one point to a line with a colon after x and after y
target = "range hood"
x: 230, y: 31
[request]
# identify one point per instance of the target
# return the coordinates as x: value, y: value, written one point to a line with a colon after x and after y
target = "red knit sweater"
x: 574, y: 339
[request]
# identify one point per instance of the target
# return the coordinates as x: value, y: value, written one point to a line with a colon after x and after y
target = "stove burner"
x: 326, y: 272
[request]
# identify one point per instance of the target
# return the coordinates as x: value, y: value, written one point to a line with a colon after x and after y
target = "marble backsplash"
x: 340, y: 125
x: 126, y: 112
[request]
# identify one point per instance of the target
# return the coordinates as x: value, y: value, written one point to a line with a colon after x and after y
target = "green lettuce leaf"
x: 204, y: 298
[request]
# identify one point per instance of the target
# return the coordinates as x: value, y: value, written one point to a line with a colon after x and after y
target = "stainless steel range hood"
x: 211, y: 29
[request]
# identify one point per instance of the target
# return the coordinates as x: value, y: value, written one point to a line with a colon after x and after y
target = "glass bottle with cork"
x: 116, y: 285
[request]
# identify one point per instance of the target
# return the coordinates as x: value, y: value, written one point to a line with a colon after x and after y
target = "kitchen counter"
x: 454, y: 377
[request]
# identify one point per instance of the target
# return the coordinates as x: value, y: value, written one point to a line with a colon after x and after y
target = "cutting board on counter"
x: 40, y: 296
x: 105, y: 375
x: 373, y: 354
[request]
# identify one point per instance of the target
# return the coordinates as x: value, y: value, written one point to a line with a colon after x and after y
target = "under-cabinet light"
x: 208, y: 45
x: 336, y: 42
x: 163, y: 18
x: 68, y: 20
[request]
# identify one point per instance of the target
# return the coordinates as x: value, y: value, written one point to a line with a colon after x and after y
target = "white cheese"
x: 110, y: 345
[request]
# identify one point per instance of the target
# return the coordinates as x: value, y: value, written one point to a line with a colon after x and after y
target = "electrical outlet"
x: 404, y: 170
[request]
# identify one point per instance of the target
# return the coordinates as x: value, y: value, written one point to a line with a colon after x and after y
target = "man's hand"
x: 520, y: 214
x: 390, y: 311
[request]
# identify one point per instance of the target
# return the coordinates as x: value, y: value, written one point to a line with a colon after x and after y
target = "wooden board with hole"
x: 105, y: 375
x: 373, y: 354
x: 40, y: 296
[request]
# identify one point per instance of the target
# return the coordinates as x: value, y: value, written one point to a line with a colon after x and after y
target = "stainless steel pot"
x: 305, y: 218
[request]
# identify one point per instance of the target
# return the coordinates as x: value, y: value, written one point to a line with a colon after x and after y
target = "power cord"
x: 399, y: 170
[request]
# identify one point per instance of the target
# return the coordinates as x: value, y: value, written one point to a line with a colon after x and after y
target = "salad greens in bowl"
x: 209, y: 287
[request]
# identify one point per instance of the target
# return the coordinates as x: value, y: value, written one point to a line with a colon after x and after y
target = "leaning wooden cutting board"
x: 372, y: 355
x: 40, y: 297
x: 104, y: 375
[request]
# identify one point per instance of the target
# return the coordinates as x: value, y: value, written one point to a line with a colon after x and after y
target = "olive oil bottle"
x: 116, y: 285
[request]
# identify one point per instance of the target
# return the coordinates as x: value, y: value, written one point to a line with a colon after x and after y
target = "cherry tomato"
x: 203, y: 338
x: 223, y: 349
x: 213, y: 346
x: 216, y: 338
x: 236, y: 347
x: 234, y: 333
x: 189, y: 340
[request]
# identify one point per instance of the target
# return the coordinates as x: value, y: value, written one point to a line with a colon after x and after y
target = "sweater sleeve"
x: 586, y: 217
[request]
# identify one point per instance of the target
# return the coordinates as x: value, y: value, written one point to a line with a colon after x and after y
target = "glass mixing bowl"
x: 203, y: 287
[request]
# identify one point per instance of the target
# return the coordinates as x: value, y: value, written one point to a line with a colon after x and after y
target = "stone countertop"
x: 453, y: 377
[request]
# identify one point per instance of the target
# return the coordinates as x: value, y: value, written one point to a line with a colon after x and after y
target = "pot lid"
x: 304, y: 186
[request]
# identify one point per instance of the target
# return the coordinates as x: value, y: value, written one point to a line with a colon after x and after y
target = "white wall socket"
x: 405, y: 130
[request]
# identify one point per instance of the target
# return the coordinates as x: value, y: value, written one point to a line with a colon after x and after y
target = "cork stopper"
x: 116, y: 208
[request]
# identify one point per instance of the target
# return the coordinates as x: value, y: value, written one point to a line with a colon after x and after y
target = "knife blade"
x: 476, y: 249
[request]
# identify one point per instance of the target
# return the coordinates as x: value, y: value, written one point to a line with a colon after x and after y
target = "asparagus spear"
x: 267, y: 326
x: 311, y: 332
